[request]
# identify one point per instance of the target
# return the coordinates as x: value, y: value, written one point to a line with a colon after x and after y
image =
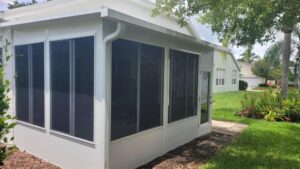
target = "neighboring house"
x: 248, y: 76
x: 100, y: 84
x: 226, y: 72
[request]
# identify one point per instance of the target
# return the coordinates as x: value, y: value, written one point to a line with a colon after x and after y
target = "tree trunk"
x: 287, y: 42
x: 266, y: 81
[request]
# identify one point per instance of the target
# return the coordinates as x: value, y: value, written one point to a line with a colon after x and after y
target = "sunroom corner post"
x: 106, y: 51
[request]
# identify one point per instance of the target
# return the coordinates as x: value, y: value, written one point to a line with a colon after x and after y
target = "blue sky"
x: 203, y: 30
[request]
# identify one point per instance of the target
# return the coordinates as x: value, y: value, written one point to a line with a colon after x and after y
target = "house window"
x: 72, y: 87
x: 183, y: 85
x: 234, y: 76
x: 29, y: 64
x: 137, y: 80
x: 220, y: 81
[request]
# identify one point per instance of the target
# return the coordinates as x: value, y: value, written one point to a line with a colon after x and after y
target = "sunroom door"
x: 205, y: 94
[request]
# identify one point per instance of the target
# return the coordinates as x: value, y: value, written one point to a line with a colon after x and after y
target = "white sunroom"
x: 103, y: 85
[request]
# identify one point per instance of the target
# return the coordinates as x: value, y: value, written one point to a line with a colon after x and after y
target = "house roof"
x: 132, y: 11
x: 246, y: 70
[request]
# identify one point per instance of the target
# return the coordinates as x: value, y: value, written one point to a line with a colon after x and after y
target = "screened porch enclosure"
x: 137, y: 93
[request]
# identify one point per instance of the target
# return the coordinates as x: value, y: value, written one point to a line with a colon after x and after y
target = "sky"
x: 203, y: 30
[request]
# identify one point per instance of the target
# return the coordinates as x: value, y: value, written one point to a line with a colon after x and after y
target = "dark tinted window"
x: 205, y: 97
x: 30, y: 83
x: 60, y: 85
x: 183, y: 85
x: 38, y: 83
x: 124, y: 88
x: 84, y: 88
x: 22, y: 82
x: 72, y: 79
x: 151, y: 74
x: 137, y: 71
x: 192, y: 85
x: 178, y: 85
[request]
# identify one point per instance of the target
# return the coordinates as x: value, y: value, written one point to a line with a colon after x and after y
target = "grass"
x: 263, y: 145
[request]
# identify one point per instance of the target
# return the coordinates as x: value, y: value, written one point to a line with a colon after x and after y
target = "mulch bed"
x: 23, y: 160
x: 191, y: 155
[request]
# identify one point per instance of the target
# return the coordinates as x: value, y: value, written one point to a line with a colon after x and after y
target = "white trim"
x: 68, y: 36
x: 182, y: 120
x: 137, y: 134
x: 29, y: 42
x: 55, y: 17
x: 32, y: 126
x: 72, y: 138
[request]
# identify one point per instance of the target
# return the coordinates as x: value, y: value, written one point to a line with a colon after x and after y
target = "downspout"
x: 107, y: 53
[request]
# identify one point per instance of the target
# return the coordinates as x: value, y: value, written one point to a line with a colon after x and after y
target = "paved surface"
x: 228, y: 128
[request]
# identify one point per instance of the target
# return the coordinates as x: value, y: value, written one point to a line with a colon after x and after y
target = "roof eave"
x: 112, y: 14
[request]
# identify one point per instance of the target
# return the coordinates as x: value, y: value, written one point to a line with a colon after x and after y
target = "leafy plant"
x: 271, y: 106
x: 6, y: 120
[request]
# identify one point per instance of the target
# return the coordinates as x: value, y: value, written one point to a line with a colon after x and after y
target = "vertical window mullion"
x: 72, y: 87
x: 170, y: 85
x: 30, y: 84
x: 186, y: 84
x: 162, y: 88
x: 138, y: 87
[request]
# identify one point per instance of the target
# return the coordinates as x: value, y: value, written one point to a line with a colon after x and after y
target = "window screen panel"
x: 60, y: 85
x: 151, y: 69
x: 84, y: 88
x: 192, y: 84
x: 38, y: 84
x: 22, y: 82
x: 178, y: 79
x: 124, y: 88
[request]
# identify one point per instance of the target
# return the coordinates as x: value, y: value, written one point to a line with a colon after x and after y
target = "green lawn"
x: 263, y: 145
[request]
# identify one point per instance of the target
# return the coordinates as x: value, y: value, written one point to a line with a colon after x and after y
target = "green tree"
x: 276, y: 74
x: 242, y: 22
x: 248, y: 56
x: 17, y: 4
x: 261, y: 68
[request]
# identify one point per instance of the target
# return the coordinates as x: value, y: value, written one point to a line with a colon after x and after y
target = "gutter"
x: 118, y: 16
x: 106, y: 53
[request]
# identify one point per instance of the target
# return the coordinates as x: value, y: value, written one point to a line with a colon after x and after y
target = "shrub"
x: 243, y: 85
x: 271, y: 106
x: 6, y: 121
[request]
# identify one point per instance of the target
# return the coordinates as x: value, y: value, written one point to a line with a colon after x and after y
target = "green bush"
x: 271, y: 106
x: 7, y: 122
x: 243, y: 85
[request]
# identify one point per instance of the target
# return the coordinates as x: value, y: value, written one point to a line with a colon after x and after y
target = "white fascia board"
x: 54, y: 17
x: 115, y: 15
x: 112, y: 14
